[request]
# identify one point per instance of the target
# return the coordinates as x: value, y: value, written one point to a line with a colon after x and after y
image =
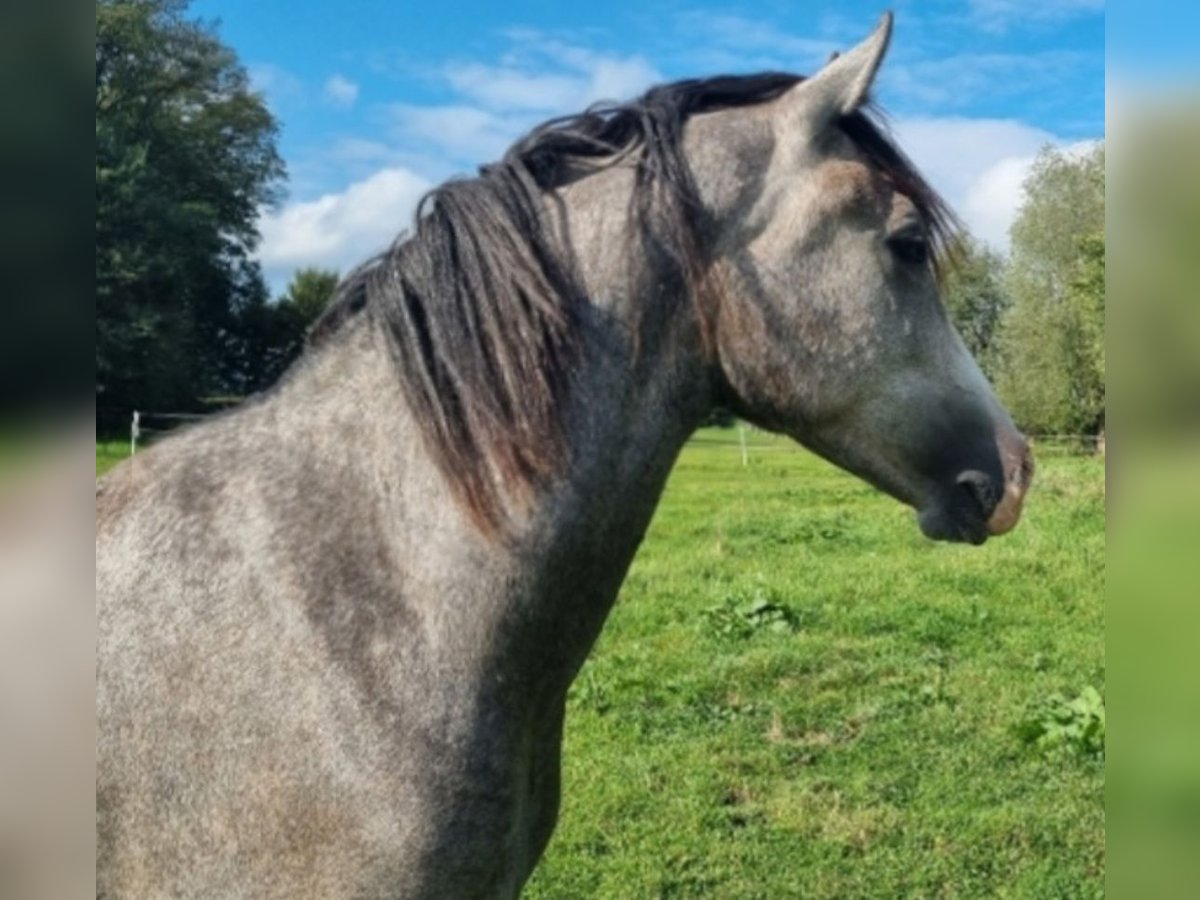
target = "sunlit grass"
x: 109, y: 453
x: 799, y: 696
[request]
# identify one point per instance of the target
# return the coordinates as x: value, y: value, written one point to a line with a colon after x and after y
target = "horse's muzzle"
x: 1017, y: 459
x: 979, y: 504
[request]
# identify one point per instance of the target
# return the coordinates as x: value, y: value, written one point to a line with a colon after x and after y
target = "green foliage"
x: 741, y: 616
x: 1083, y: 339
x: 308, y: 294
x: 185, y: 158
x: 269, y: 336
x: 1051, y: 358
x: 109, y: 453
x: 1072, y: 725
x: 975, y: 298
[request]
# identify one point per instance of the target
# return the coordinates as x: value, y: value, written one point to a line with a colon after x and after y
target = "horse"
x: 337, y: 626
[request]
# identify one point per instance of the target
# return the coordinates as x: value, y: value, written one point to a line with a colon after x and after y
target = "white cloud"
x: 993, y: 199
x: 341, y: 91
x: 953, y: 151
x: 468, y: 133
x: 276, y: 83
x: 978, y: 165
x: 617, y: 79
x: 340, y: 230
x: 576, y: 79
x: 537, y: 78
x: 503, y: 88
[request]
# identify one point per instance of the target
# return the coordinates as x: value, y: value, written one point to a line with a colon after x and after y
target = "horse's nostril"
x: 981, y: 490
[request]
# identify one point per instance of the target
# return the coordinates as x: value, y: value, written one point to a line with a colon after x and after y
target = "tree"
x: 976, y: 299
x: 308, y: 293
x: 1083, y: 336
x: 269, y: 336
x: 185, y: 158
x: 1050, y: 349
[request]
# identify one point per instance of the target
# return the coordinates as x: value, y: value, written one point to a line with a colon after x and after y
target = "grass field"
x: 109, y: 453
x: 799, y: 696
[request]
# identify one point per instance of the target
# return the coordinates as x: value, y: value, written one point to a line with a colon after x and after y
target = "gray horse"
x: 338, y: 625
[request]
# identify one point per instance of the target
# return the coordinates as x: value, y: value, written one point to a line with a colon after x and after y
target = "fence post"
x: 134, y: 431
x: 742, y: 438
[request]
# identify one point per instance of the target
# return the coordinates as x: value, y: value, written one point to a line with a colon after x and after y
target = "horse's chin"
x: 955, y: 522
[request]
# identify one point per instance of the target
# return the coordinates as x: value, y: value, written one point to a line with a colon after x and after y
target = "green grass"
x: 797, y: 695
x: 109, y: 453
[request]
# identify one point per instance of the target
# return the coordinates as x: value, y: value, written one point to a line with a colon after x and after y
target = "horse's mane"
x: 483, y: 309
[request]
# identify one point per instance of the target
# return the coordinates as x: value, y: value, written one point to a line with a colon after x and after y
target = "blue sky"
x: 379, y: 101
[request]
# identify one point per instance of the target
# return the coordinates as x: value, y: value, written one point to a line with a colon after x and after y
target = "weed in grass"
x: 740, y: 616
x: 1074, y: 726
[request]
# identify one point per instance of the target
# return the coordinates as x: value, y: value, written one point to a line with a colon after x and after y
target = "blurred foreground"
x: 47, y: 666
x: 1153, y: 337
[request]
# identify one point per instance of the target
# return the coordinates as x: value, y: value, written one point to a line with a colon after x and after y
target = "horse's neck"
x: 644, y: 386
x: 539, y: 600
x: 632, y: 410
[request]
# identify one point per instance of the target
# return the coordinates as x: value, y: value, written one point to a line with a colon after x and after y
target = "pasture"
x: 797, y: 695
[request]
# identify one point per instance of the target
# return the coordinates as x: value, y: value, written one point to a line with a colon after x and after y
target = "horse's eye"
x: 910, y: 247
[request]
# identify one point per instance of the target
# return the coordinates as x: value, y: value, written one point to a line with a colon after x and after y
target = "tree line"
x: 186, y: 158
x: 1035, y: 320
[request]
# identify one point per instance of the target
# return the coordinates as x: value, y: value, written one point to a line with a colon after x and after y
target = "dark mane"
x: 483, y: 308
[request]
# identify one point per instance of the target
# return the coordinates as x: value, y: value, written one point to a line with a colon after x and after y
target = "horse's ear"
x: 842, y: 85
